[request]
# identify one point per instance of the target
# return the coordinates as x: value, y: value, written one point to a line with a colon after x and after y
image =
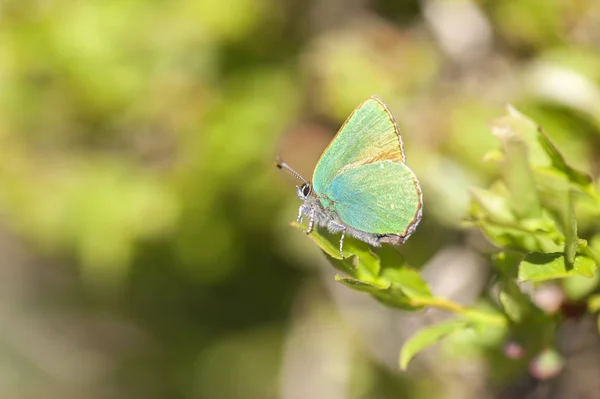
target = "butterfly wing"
x: 380, y: 198
x: 370, y: 134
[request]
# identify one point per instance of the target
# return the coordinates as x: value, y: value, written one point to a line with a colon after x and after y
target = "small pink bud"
x: 513, y: 350
x: 548, y: 364
x: 549, y: 298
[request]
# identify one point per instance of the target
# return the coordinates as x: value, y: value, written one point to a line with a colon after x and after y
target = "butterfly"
x: 361, y: 185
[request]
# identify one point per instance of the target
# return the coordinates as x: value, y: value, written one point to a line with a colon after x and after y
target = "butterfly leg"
x: 311, y: 221
x: 300, y: 214
x: 342, y: 243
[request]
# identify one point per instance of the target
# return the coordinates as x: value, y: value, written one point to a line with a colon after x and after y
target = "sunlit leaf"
x: 540, y: 267
x: 359, y: 285
x: 359, y: 260
x: 559, y: 163
x: 409, y: 281
x: 570, y: 229
x: 427, y: 337
x: 518, y: 127
x: 516, y: 304
x: 578, y: 287
x: 496, y: 207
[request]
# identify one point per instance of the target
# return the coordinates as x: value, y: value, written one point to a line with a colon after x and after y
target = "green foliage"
x: 427, y: 337
x: 532, y: 208
x: 140, y: 212
x: 383, y: 273
x: 529, y: 213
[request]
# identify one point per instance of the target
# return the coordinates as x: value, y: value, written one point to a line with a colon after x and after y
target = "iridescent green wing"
x: 380, y: 198
x: 370, y: 134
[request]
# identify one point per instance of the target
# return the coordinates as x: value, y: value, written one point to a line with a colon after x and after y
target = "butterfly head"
x: 304, y: 191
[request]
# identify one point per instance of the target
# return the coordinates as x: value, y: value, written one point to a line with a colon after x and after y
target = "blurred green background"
x: 145, y: 250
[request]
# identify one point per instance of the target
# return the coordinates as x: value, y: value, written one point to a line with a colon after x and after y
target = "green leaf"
x: 518, y: 176
x: 559, y: 199
x: 389, y: 256
x: 559, y: 163
x: 518, y: 136
x: 511, y: 306
x: 323, y: 242
x: 408, y: 281
x: 591, y: 249
x: 507, y: 263
x: 363, y: 266
x: 397, y: 299
x: 578, y: 287
x: 541, y: 267
x: 427, y: 337
x: 570, y: 229
x: 516, y: 304
x: 493, y: 205
x: 515, y: 124
x: 368, y: 263
x: 530, y: 235
x: 364, y: 286
x: 383, y: 291
x: 483, y: 316
x: 360, y: 261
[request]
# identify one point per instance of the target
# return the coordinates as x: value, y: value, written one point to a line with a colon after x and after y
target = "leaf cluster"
x: 530, y: 213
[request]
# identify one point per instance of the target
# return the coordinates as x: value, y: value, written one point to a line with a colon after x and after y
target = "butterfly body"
x: 325, y: 216
x: 361, y: 186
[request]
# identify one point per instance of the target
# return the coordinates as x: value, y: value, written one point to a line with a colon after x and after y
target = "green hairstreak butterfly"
x: 361, y: 185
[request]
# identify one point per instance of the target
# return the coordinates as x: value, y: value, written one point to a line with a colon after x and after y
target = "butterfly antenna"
x: 282, y: 165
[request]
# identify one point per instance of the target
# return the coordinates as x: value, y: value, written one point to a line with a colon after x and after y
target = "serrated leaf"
x: 427, y: 337
x: 541, y: 267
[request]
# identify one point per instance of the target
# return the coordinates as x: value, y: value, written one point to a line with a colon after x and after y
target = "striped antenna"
x: 282, y: 165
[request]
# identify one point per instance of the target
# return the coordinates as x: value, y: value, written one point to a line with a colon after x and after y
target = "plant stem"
x: 446, y: 304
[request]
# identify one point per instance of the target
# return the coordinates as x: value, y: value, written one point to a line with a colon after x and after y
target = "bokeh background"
x: 145, y: 250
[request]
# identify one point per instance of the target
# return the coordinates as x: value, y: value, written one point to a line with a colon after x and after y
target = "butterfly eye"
x: 306, y: 189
